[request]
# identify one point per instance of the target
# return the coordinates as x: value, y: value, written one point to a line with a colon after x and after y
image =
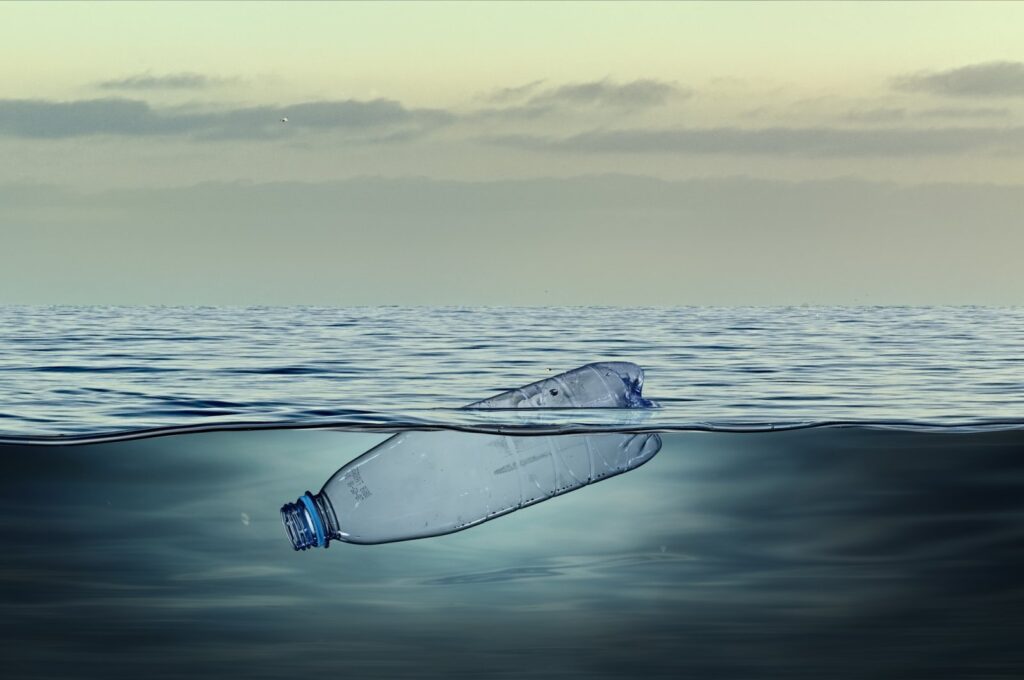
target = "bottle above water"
x: 607, y: 384
x: 419, y: 484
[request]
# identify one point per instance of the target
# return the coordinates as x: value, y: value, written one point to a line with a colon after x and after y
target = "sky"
x: 519, y: 153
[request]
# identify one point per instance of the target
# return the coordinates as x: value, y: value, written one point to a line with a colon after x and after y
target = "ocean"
x: 839, y: 492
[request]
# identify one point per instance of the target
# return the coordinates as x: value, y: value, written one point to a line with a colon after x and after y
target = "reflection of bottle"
x: 419, y: 484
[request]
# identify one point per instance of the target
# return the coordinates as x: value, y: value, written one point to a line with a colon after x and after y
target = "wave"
x: 517, y: 422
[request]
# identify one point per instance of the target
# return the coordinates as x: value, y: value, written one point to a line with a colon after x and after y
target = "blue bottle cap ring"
x: 314, y: 515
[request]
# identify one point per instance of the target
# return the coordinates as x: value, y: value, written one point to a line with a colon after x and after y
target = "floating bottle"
x: 420, y: 484
x: 607, y: 384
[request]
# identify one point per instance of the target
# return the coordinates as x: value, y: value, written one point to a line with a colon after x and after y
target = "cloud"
x: 637, y: 93
x: 780, y: 141
x: 991, y: 79
x: 964, y: 112
x: 510, y: 94
x: 529, y: 102
x: 170, y: 81
x: 376, y: 120
x: 879, y: 115
x: 519, y: 112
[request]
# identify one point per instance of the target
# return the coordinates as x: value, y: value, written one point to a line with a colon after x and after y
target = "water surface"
x: 82, y: 370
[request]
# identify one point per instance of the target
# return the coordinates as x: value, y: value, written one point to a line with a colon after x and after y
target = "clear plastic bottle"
x: 607, y: 384
x: 420, y: 484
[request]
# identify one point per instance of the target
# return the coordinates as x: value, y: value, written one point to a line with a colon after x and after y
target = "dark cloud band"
x: 780, y: 141
x: 991, y: 79
x: 638, y: 93
x: 379, y: 118
x: 171, y: 81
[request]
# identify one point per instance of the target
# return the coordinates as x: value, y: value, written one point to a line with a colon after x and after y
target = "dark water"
x: 825, y: 552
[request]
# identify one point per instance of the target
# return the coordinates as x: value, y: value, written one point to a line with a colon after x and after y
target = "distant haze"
x: 511, y: 153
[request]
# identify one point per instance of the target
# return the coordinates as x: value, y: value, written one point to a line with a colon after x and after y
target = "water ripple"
x: 83, y: 370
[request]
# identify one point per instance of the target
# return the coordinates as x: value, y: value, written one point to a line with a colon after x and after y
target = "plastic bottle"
x: 607, y: 384
x: 420, y: 484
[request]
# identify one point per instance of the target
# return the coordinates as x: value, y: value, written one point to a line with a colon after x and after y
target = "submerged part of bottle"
x: 607, y: 384
x: 420, y: 484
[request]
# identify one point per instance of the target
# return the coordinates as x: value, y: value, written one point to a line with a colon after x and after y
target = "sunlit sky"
x: 115, y: 118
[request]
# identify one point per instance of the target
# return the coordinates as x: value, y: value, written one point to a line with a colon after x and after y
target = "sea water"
x: 84, y: 370
x: 839, y: 493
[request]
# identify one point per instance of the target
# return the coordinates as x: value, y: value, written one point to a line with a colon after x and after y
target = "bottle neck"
x: 310, y: 521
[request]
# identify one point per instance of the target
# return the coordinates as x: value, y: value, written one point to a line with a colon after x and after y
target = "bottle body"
x: 420, y: 484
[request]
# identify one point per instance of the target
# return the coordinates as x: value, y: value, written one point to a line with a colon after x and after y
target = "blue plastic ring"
x: 307, y: 500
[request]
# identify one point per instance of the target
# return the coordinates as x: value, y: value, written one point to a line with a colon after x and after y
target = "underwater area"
x: 837, y: 492
x: 846, y: 552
